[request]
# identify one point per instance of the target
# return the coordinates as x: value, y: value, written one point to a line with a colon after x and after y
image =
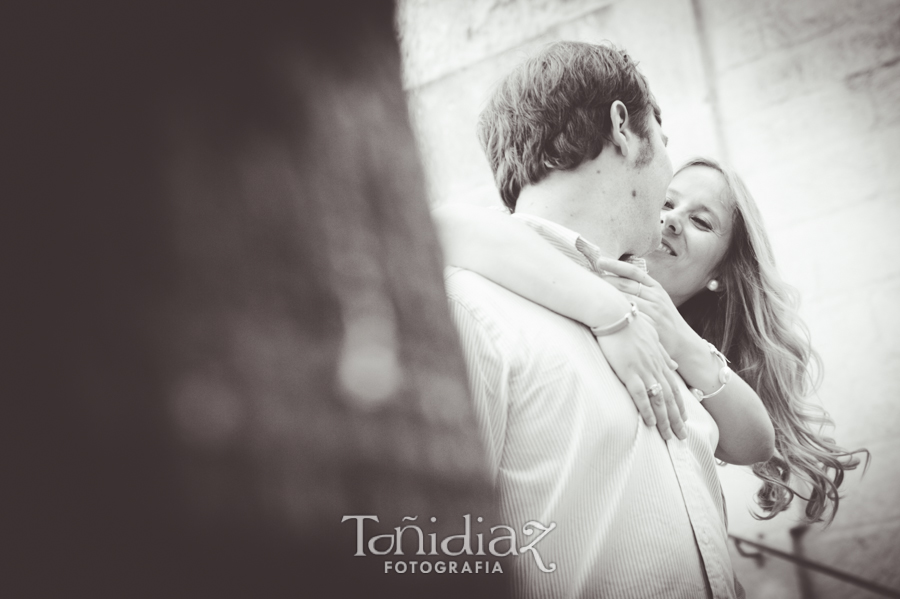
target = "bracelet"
x: 724, y: 374
x: 617, y: 325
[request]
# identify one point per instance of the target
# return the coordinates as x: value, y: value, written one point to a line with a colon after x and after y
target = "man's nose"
x: 671, y: 221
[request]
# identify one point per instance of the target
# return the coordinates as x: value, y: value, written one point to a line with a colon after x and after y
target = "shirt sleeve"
x: 489, y: 371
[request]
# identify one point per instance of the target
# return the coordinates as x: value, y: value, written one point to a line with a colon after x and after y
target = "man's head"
x: 553, y: 112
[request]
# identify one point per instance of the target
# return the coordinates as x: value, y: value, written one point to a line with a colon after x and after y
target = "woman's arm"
x: 746, y: 434
x: 511, y: 254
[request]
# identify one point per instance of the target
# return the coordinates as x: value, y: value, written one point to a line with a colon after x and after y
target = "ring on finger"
x: 654, y: 390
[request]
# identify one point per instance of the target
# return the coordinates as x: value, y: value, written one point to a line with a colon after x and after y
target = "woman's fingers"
x: 620, y: 283
x: 671, y: 400
x: 658, y: 404
x: 674, y: 380
x: 675, y: 406
x: 632, y: 288
x: 639, y: 360
x: 638, y: 393
x: 624, y: 269
x: 672, y: 377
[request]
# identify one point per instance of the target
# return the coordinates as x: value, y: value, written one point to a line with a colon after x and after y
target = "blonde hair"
x: 754, y: 322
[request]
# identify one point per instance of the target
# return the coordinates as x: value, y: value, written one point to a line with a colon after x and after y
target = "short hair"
x: 552, y: 112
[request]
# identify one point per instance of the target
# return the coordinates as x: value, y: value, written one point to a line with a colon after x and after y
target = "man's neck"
x: 586, y: 210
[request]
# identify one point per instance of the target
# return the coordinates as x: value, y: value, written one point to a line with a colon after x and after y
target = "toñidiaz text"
x: 502, y: 542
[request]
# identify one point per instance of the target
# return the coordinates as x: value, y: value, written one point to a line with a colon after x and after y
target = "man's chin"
x: 652, y: 245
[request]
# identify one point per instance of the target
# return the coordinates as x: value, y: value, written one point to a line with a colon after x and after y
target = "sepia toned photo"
x: 452, y: 298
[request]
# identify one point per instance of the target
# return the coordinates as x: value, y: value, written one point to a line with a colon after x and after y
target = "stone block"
x: 870, y: 498
x: 743, y: 31
x: 870, y: 552
x: 438, y: 38
x: 834, y: 254
x: 734, y: 31
x: 810, y: 156
x: 767, y: 579
x: 855, y: 333
x: 802, y: 187
x: 857, y: 47
x: 814, y: 168
x: 662, y: 36
x: 720, y: 13
x: 884, y: 86
x: 886, y: 152
x: 790, y: 23
x: 868, y: 42
x: 691, y: 128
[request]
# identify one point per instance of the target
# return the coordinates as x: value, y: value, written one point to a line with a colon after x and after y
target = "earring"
x: 713, y: 285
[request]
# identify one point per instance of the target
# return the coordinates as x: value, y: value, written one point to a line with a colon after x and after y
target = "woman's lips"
x: 666, y: 248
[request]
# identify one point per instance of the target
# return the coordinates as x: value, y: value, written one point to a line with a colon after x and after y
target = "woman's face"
x: 696, y: 231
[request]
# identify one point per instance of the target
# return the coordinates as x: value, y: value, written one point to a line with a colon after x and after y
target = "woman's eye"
x: 701, y: 223
x: 668, y: 204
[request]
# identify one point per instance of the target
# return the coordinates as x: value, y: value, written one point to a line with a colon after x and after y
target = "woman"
x: 713, y: 285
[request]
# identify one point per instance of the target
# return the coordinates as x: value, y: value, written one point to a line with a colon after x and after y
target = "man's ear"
x: 620, y: 134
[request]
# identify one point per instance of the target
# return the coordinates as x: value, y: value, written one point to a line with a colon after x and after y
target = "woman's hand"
x: 653, y: 301
x: 639, y: 360
x: 746, y: 434
x: 511, y: 254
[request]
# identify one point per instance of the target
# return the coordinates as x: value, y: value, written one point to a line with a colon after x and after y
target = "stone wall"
x: 455, y: 53
x: 809, y: 97
x: 803, y: 97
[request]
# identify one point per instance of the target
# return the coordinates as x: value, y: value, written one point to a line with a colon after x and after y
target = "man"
x: 574, y: 139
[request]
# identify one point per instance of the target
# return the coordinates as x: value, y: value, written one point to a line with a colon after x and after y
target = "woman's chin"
x: 659, y: 267
x: 655, y: 261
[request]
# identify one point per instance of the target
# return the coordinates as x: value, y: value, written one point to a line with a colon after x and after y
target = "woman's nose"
x: 671, y: 221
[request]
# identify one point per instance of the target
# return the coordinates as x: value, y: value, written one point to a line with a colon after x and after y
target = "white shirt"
x: 636, y: 517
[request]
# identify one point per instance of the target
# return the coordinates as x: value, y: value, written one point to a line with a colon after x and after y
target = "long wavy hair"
x: 754, y: 322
